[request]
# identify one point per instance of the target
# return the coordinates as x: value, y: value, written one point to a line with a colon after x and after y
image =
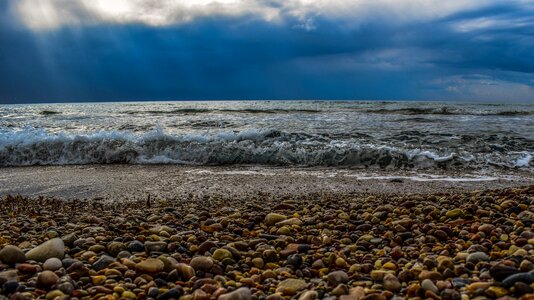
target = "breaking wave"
x: 255, y: 146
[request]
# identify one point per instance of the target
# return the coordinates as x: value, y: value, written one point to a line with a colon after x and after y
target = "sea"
x: 381, y: 135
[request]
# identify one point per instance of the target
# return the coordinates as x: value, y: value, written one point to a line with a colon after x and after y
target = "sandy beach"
x: 93, y: 232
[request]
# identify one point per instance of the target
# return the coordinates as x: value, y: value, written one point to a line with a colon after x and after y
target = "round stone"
x: 11, y: 255
x: 392, y: 283
x: 46, y: 279
x: 274, y: 218
x: 52, y: 264
x: 337, y: 277
x: 202, y: 263
x: 242, y: 293
x: 428, y: 285
x: 150, y: 265
x: 221, y: 254
x: 475, y: 257
x: 52, y: 248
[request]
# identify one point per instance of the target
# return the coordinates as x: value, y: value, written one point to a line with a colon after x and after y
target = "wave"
x: 49, y: 112
x: 209, y: 110
x: 255, y: 146
x: 447, y: 111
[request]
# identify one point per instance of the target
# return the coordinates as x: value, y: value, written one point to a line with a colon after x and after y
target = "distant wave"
x: 49, y: 112
x: 255, y: 146
x: 446, y: 111
x: 206, y: 110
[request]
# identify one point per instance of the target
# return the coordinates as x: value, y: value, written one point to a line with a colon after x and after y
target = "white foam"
x: 30, y: 146
x: 524, y: 161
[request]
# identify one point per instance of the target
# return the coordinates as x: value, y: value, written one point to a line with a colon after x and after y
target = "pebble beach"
x: 443, y: 245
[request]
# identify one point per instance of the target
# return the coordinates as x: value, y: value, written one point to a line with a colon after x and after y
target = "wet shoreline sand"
x: 136, y: 182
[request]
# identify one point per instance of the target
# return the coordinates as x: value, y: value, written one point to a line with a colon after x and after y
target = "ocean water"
x: 370, y: 135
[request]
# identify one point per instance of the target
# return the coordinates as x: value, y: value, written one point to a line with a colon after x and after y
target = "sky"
x: 118, y: 50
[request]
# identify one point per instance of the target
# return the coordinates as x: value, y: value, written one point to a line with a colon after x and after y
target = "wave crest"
x: 254, y: 146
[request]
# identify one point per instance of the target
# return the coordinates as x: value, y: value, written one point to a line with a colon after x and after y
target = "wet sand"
x: 136, y: 182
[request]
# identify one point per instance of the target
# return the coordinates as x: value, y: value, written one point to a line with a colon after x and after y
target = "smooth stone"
x: 526, y: 277
x: 69, y: 239
x: 65, y: 287
x: 27, y: 268
x: 501, y: 272
x: 337, y: 277
x: 8, y: 275
x: 155, y: 247
x: 221, y: 254
x: 428, y: 285
x: 258, y: 262
x: 341, y: 289
x: 274, y: 218
x: 309, y: 295
x: 242, y: 293
x: 206, y: 246
x: 46, y: 279
x: 10, y: 287
x: 202, y: 263
x: 150, y: 265
x: 496, y: 292
x: 174, y: 293
x: 523, y: 288
x: 115, y: 248
x: 52, y: 248
x: 392, y: 283
x: 98, y: 280
x: 128, y: 295
x: 450, y: 294
x: 103, y: 262
x: 432, y: 275
x: 476, y: 257
x: 52, y: 264
x: 135, y: 246
x: 455, y: 213
x: 292, y: 285
x: 55, y: 294
x: 185, y: 271
x: 11, y: 255
x: 295, y: 260
x: 290, y: 222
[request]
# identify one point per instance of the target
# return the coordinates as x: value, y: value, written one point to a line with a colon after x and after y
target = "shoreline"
x: 136, y: 182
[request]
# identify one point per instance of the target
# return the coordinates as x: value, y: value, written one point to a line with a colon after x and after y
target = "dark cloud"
x: 247, y: 58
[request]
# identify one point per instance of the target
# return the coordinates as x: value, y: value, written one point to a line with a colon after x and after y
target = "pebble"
x: 309, y: 295
x: 292, y: 286
x: 526, y: 277
x: 477, y: 257
x: 274, y: 218
x: 11, y: 255
x: 455, y: 213
x: 52, y: 264
x: 221, y: 254
x: 103, y: 262
x: 150, y: 265
x: 392, y: 283
x: 49, y: 249
x: 202, y: 263
x: 337, y: 277
x: 46, y: 279
x: 428, y: 285
x: 239, y: 294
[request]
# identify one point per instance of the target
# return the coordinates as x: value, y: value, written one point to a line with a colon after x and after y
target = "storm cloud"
x: 57, y: 50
